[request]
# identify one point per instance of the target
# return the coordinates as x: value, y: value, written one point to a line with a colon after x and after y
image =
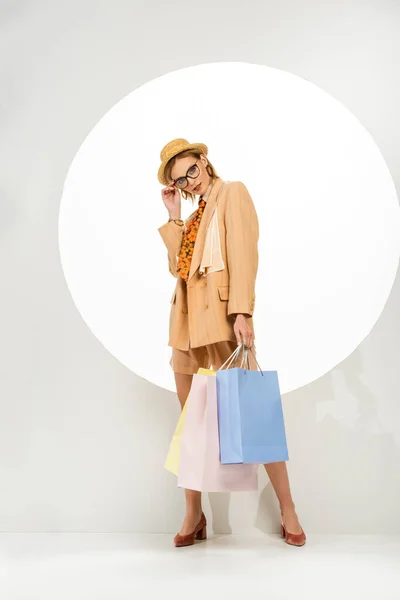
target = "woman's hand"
x: 172, y: 200
x: 242, y: 331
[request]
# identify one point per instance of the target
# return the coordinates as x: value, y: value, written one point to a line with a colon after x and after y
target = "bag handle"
x: 246, y: 353
x: 245, y: 358
x: 232, y: 357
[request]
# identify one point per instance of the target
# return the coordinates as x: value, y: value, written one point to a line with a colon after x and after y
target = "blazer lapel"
x: 205, y: 220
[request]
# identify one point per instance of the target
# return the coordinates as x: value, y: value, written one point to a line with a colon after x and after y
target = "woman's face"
x: 187, y: 166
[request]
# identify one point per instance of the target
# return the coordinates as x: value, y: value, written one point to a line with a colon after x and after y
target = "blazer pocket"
x: 173, y: 299
x: 223, y: 292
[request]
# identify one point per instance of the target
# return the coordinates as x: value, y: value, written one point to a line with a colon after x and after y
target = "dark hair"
x: 168, y: 168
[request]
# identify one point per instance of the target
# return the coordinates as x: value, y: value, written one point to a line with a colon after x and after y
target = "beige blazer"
x: 204, y: 309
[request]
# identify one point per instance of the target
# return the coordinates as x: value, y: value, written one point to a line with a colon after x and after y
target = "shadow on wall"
x: 343, y: 461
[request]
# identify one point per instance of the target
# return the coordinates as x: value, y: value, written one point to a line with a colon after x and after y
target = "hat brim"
x: 202, y: 148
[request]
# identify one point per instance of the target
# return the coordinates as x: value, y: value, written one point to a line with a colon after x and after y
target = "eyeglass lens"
x: 193, y: 172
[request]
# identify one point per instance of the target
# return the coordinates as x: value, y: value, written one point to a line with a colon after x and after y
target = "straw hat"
x: 172, y: 149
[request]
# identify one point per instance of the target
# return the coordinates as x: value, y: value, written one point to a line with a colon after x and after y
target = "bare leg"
x: 278, y: 475
x: 193, y: 497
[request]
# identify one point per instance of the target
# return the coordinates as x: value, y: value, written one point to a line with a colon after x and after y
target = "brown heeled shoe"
x: 199, y: 533
x: 294, y: 539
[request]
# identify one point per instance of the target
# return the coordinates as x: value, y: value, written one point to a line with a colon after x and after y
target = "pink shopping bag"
x: 200, y: 468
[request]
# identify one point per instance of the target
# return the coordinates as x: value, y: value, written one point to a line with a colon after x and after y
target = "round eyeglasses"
x: 192, y: 173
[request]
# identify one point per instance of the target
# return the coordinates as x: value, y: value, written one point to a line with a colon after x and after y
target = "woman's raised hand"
x: 172, y: 200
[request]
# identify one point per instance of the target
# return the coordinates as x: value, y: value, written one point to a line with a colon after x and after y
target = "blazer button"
x: 206, y: 306
x: 184, y: 310
x: 205, y: 283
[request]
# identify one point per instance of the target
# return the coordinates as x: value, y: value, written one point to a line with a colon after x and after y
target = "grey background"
x: 82, y: 439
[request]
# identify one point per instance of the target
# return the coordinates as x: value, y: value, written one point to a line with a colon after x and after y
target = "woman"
x: 214, y: 257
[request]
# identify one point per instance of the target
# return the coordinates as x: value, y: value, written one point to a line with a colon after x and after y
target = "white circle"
x: 326, y: 202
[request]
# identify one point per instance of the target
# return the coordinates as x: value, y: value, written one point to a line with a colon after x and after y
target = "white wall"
x: 82, y: 439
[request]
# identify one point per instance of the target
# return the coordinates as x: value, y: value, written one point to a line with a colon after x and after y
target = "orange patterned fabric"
x: 188, y: 241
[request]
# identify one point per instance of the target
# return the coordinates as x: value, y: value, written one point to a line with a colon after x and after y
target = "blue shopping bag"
x: 250, y: 415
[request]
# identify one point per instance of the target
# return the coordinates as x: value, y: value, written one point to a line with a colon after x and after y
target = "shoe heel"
x: 202, y: 534
x: 282, y: 531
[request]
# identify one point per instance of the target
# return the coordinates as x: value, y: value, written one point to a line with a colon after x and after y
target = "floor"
x: 120, y: 566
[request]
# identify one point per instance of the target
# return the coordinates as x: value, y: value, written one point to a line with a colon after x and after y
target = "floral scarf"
x: 188, y: 241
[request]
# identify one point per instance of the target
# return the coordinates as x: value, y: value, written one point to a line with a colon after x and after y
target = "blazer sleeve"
x: 242, y: 232
x: 172, y: 234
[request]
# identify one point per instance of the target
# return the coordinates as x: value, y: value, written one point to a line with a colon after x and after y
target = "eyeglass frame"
x: 187, y: 176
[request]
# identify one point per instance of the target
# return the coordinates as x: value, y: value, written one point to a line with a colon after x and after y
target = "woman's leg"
x: 183, y: 383
x: 193, y: 497
x: 278, y: 475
